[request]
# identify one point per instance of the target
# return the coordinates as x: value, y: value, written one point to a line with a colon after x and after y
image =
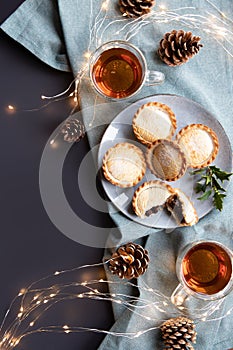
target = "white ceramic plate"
x: 120, y: 130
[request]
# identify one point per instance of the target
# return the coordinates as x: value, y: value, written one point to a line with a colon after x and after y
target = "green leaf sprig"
x: 210, y: 183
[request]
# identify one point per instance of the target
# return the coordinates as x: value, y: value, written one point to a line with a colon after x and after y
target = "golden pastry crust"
x: 153, y: 121
x: 199, y: 143
x: 181, y: 208
x: 124, y: 165
x: 150, y: 197
x: 166, y: 160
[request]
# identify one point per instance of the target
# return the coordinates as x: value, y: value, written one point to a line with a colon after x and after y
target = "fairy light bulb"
x: 87, y: 55
x: 162, y: 7
x: 118, y: 301
x: 10, y: 109
x: 138, y: 334
x: 66, y: 329
x: 54, y: 145
x: 104, y: 6
x: 16, y: 342
x: 22, y: 291
x: 221, y: 32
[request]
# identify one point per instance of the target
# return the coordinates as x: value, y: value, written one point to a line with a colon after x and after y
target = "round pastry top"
x: 154, y: 121
x: 166, y: 160
x: 124, y: 165
x: 199, y: 143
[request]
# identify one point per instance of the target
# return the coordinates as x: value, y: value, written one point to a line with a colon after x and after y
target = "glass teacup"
x: 118, y: 70
x: 204, y: 269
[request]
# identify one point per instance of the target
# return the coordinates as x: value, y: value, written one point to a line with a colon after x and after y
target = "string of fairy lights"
x: 34, y: 301
x: 31, y: 303
x: 213, y: 22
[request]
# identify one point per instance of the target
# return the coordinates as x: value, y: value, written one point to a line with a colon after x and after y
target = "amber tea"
x: 207, y: 268
x: 117, y: 73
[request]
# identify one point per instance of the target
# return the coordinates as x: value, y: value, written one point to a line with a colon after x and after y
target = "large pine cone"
x: 177, y: 47
x: 129, y: 261
x: 178, y: 333
x: 136, y: 8
x: 73, y: 130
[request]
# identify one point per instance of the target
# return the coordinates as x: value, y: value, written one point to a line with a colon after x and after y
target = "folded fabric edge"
x: 30, y: 46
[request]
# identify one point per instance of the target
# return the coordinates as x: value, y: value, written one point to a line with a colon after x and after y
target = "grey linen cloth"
x: 58, y: 32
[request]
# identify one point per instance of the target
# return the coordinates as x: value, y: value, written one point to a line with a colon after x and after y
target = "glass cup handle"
x: 179, y: 296
x: 154, y: 77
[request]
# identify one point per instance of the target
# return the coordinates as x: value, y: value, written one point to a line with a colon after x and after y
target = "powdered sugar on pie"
x: 199, y: 143
x: 166, y: 160
x: 124, y: 165
x: 154, y: 121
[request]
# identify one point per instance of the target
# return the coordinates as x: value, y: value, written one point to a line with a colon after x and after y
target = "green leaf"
x: 200, y: 187
x: 220, y: 174
x: 210, y: 178
x: 218, y: 200
x: 197, y: 172
x: 205, y: 195
x: 217, y: 185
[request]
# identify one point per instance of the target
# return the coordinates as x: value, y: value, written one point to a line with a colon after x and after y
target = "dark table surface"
x: 31, y: 246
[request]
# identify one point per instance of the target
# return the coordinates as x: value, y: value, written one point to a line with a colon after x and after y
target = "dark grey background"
x: 31, y: 246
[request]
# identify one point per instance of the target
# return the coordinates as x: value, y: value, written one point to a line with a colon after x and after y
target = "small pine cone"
x: 73, y: 130
x: 177, y: 47
x: 129, y: 261
x: 136, y: 8
x: 179, y: 333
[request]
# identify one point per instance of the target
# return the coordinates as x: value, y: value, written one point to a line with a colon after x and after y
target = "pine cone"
x: 177, y: 47
x: 129, y: 261
x: 178, y: 333
x: 136, y: 8
x: 73, y: 130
